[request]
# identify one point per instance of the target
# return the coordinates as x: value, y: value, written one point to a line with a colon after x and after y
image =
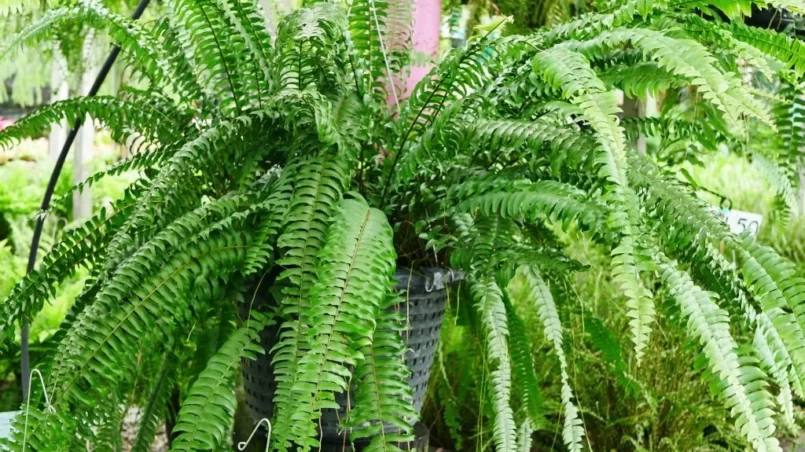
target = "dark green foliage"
x: 280, y: 162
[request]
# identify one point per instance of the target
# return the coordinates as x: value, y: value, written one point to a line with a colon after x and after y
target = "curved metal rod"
x: 242, y: 445
x: 54, y: 178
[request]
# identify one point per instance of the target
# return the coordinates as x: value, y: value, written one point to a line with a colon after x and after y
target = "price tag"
x: 740, y: 221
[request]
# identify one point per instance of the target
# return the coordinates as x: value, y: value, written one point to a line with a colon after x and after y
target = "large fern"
x: 281, y: 162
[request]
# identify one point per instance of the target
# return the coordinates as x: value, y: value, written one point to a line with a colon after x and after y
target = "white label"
x: 5, y: 423
x: 740, y: 221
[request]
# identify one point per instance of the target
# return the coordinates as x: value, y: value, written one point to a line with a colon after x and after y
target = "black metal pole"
x: 54, y: 178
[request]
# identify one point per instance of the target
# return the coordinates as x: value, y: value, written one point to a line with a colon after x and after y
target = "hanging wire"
x: 242, y: 445
x: 48, y: 406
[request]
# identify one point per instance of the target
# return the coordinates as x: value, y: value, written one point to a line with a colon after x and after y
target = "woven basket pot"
x: 426, y: 300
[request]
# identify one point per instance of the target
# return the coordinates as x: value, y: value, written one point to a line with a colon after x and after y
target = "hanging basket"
x: 426, y: 300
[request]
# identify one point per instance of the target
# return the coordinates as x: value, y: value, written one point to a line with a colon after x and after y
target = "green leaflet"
x: 129, y: 35
x: 202, y: 32
x: 525, y: 378
x: 627, y: 260
x: 154, y: 410
x: 120, y: 116
x: 352, y: 279
x: 529, y: 202
x: 773, y: 281
x: 206, y: 415
x: 75, y: 249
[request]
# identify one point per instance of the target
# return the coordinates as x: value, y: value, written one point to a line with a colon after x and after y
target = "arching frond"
x: 75, y: 249
x: 318, y: 185
x: 383, y: 410
x: 121, y: 117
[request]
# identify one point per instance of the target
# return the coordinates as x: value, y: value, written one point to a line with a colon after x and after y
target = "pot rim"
x: 426, y: 279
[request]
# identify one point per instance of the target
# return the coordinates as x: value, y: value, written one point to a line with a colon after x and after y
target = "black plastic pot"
x: 425, y: 305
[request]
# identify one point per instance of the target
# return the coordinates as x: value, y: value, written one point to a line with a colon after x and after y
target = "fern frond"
x: 493, y: 318
x: 529, y: 287
x: 784, y: 48
x: 779, y: 179
x: 773, y: 281
x: 570, y: 71
x: 779, y: 373
x: 524, y: 436
x: 527, y: 201
x: 790, y: 138
x: 206, y: 414
x: 688, y: 59
x: 318, y: 184
x: 201, y: 30
x: 367, y: 24
x: 639, y: 80
x: 673, y: 130
x: 592, y: 24
x: 694, y: 220
x: 132, y: 37
x: 121, y: 117
x: 353, y: 277
x: 627, y: 262
x: 383, y: 397
x: 742, y: 384
x: 525, y: 378
x: 250, y: 25
x: 309, y: 41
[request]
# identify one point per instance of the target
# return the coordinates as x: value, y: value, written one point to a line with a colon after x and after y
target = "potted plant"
x: 279, y: 165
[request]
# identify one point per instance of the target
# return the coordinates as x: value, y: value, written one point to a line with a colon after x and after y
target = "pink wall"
x: 427, y: 25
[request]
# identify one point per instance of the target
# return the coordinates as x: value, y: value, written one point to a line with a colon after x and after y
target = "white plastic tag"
x: 740, y: 221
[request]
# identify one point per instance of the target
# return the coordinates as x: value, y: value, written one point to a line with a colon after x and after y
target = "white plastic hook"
x: 242, y: 445
x: 48, y: 406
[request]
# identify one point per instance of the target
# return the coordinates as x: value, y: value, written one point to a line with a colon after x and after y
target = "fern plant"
x: 281, y: 163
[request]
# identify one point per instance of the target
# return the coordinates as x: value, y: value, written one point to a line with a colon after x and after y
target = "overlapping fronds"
x: 280, y: 162
x: 121, y: 117
x: 203, y: 32
x: 77, y: 248
x: 528, y: 287
x: 527, y: 201
x: 690, y: 60
x: 352, y: 279
x: 741, y: 383
x: 524, y: 378
x: 127, y: 34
